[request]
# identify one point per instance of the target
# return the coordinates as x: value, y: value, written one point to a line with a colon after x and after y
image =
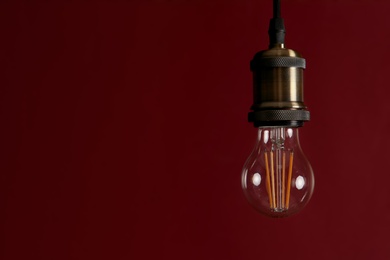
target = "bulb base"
x: 278, y: 88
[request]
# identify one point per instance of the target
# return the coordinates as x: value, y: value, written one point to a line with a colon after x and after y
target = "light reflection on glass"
x: 256, y: 179
x: 266, y: 136
x: 290, y: 132
x: 300, y: 182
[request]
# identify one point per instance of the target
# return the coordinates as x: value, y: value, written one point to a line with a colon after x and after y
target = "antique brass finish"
x: 278, y: 86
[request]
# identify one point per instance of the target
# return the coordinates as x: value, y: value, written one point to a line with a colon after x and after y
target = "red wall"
x: 123, y: 130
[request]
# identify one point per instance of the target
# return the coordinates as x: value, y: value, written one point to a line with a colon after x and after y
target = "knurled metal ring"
x: 281, y: 62
x: 279, y: 115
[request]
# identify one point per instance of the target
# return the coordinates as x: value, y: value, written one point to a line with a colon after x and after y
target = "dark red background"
x: 123, y: 130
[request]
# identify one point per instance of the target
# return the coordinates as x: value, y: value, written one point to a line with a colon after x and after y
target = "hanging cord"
x: 277, y: 9
x: 276, y: 29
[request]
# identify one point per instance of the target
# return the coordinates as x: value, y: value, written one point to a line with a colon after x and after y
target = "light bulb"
x: 277, y: 179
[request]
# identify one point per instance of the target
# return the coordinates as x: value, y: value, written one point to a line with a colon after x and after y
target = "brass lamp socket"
x: 278, y: 88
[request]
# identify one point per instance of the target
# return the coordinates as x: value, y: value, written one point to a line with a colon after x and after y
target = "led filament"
x: 277, y: 179
x: 279, y: 197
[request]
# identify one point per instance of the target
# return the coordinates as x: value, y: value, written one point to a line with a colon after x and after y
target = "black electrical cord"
x: 276, y: 30
x: 277, y: 9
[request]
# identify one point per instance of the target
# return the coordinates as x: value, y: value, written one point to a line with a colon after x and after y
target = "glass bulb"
x: 277, y: 179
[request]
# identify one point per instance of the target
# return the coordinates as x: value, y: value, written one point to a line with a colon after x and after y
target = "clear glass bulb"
x: 277, y: 179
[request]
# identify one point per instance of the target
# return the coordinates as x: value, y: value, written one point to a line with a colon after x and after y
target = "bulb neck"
x: 278, y: 137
